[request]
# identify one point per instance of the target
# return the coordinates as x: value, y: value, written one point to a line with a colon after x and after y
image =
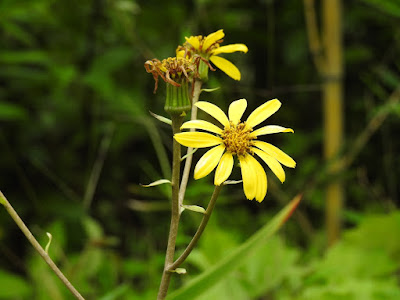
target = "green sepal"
x: 203, y: 71
x: 178, y: 100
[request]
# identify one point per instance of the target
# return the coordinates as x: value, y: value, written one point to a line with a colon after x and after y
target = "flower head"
x: 208, y: 48
x: 239, y: 139
x: 172, y: 70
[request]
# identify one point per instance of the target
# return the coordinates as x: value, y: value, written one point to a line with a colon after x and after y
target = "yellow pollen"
x: 237, y: 139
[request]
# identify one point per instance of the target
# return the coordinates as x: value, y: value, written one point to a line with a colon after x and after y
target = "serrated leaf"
x: 161, y: 118
x: 213, y: 275
x: 157, y: 182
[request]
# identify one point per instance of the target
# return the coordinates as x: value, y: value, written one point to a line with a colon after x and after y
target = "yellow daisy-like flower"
x: 209, y: 49
x: 239, y: 139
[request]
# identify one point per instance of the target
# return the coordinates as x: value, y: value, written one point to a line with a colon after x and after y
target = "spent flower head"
x: 237, y: 138
x: 172, y: 70
x: 208, y: 48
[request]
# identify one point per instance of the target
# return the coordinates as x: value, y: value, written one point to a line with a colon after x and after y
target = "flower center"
x: 237, y: 139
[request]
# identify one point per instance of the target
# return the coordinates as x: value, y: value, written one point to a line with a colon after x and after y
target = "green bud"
x: 178, y: 101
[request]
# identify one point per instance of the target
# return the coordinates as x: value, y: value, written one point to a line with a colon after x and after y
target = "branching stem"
x: 11, y: 211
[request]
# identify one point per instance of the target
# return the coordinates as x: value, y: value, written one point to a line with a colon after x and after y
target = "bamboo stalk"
x: 327, y: 56
x: 333, y: 112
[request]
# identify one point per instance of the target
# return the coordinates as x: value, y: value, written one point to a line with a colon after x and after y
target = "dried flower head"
x: 172, y: 70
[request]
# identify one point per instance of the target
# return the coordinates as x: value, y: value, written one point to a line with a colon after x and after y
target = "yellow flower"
x: 239, y: 139
x: 209, y: 48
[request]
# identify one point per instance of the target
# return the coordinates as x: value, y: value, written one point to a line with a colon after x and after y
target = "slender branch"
x: 98, y: 165
x: 175, y: 209
x: 199, y: 231
x: 188, y: 161
x: 37, y: 246
x: 374, y: 124
x: 314, y: 40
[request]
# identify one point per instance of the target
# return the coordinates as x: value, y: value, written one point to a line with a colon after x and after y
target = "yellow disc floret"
x: 236, y: 139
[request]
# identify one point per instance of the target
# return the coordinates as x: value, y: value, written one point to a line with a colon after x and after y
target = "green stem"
x: 36, y: 245
x: 175, y: 210
x: 199, y: 231
x: 188, y: 161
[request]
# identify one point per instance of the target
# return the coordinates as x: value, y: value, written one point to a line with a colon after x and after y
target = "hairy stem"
x: 199, y: 231
x: 175, y: 210
x: 36, y: 245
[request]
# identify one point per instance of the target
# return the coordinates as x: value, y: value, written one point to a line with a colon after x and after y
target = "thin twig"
x: 37, y: 246
x: 314, y: 40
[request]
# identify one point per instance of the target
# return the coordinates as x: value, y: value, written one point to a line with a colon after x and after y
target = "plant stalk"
x: 11, y: 211
x: 188, y: 160
x: 175, y: 209
x: 199, y: 231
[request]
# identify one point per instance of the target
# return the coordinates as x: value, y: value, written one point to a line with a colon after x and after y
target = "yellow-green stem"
x: 36, y: 245
x: 175, y: 209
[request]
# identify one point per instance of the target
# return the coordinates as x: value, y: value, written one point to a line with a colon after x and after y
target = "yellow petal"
x: 212, y: 38
x: 272, y: 163
x: 226, y: 66
x: 213, y: 111
x: 276, y: 153
x: 180, y: 53
x: 263, y: 112
x: 269, y: 129
x: 261, y: 188
x: 230, y: 48
x: 208, y: 162
x: 194, y: 41
x: 197, y: 139
x: 236, y: 110
x: 249, y: 177
x: 224, y: 168
x: 200, y: 124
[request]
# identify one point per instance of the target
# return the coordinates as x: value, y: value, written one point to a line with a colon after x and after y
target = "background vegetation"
x: 76, y: 139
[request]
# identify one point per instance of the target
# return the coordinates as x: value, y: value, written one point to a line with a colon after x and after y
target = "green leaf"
x: 10, y: 112
x: 391, y: 7
x: 116, y: 293
x: 13, y: 286
x: 212, y: 276
x: 157, y: 182
x: 23, y: 57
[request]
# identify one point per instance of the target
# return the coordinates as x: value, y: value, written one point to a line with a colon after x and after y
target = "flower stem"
x: 175, y: 209
x: 188, y: 161
x: 199, y: 231
x: 36, y: 245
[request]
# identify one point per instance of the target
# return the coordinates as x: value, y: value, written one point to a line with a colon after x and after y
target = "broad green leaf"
x: 234, y: 260
x: 11, y: 111
x: 13, y: 286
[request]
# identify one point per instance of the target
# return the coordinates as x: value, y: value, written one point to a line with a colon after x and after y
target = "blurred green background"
x: 76, y: 139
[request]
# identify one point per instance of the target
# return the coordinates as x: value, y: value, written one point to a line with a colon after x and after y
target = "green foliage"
x: 70, y: 70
